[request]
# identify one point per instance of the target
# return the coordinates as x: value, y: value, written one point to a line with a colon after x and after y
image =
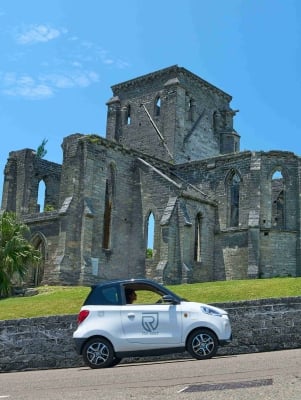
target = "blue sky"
x: 59, y: 59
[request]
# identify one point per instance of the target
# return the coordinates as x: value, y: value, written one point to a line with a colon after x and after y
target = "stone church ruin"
x: 170, y: 154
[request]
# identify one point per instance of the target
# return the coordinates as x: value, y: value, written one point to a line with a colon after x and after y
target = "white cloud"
x: 71, y: 79
x: 47, y: 85
x: 25, y: 86
x: 39, y: 33
x: 48, y: 76
x: 122, y: 64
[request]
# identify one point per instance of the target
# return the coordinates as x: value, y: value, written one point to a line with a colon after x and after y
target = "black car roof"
x: 127, y: 281
x: 136, y: 281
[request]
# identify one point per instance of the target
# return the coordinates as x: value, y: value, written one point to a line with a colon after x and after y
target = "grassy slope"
x: 53, y: 300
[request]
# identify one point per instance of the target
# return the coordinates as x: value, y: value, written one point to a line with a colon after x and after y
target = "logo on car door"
x: 150, y: 321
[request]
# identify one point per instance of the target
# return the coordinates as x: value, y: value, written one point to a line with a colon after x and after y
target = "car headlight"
x: 211, y: 311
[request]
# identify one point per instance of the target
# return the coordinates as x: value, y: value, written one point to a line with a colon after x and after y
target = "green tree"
x: 16, y: 253
x: 41, y: 150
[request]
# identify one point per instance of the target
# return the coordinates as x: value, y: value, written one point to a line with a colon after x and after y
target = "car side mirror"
x: 167, y: 298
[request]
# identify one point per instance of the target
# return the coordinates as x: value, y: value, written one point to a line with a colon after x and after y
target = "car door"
x: 152, y: 324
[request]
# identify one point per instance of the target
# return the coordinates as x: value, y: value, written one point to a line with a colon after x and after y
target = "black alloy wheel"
x: 99, y: 353
x: 202, y: 344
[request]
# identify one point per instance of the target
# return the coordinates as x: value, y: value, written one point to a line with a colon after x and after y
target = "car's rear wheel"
x: 202, y: 344
x: 99, y: 353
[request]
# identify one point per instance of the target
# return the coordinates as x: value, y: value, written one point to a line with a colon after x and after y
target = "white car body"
x: 146, y: 329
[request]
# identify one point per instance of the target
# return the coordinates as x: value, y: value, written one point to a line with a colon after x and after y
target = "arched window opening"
x: 158, y: 107
x: 36, y: 273
x: 41, y: 196
x: 189, y: 111
x: 109, y: 195
x: 150, y: 225
x: 278, y: 200
x: 107, y: 218
x: 189, y: 108
x: 198, y: 237
x: 128, y: 115
x: 234, y: 185
x: 215, y: 122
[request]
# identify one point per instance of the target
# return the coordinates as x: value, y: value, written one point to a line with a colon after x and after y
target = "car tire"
x: 115, y: 361
x: 202, y: 344
x: 98, y: 353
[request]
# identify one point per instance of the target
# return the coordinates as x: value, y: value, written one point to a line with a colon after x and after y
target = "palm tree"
x: 16, y: 253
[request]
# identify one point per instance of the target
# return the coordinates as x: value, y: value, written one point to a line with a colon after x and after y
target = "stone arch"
x: 281, y: 169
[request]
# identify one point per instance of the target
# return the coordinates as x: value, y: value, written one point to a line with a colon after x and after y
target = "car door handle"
x: 131, y: 315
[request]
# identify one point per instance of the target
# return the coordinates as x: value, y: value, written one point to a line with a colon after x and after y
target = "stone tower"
x: 173, y: 115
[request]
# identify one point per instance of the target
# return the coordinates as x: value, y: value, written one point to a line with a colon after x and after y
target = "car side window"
x: 147, y: 297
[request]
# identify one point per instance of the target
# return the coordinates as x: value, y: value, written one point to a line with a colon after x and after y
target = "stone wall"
x: 44, y: 343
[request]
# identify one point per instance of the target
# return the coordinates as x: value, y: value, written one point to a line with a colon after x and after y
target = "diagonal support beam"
x: 157, y: 131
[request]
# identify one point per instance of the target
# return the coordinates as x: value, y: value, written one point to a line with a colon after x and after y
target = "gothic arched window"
x: 109, y: 196
x: 198, y: 237
x: 35, y: 274
x: 278, y: 200
x: 158, y: 107
x: 233, y: 199
x: 150, y: 238
x: 41, y: 195
x: 128, y: 116
x: 189, y: 108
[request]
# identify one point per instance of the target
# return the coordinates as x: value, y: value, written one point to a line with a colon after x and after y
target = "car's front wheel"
x: 115, y: 361
x: 202, y: 344
x: 98, y: 353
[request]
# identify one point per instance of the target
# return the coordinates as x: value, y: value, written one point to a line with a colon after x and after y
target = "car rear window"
x: 108, y: 295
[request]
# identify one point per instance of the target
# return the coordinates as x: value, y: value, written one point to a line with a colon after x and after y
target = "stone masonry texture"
x: 45, y: 343
x: 171, y: 152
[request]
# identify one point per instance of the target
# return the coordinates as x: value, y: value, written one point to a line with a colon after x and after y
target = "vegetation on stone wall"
x: 49, y: 207
x: 95, y: 139
x: 149, y: 253
x: 16, y: 253
x: 41, y: 150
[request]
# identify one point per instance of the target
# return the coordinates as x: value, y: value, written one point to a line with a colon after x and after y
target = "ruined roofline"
x: 212, y: 160
x: 174, y: 69
x: 235, y: 156
x: 160, y: 167
x: 27, y: 151
x: 96, y: 139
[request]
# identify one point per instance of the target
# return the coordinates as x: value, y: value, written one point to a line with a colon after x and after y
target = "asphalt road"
x: 264, y: 376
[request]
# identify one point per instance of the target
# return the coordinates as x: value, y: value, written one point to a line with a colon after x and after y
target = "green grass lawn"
x: 60, y: 300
